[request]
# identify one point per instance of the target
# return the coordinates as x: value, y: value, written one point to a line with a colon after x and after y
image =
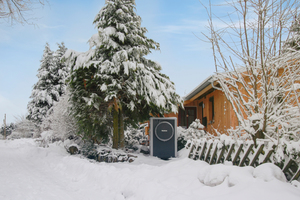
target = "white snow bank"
x: 31, y: 172
x: 217, y: 174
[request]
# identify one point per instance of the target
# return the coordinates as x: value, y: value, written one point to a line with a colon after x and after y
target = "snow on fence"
x: 242, y: 153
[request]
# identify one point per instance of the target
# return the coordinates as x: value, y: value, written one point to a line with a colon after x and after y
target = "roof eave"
x: 199, y: 88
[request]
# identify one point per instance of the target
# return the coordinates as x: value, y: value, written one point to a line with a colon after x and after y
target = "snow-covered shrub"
x: 60, y: 121
x: 193, y: 133
x: 181, y: 138
x: 9, y: 129
x: 89, y: 150
x: 50, y: 136
x: 24, y: 129
x: 287, y: 148
x: 134, y: 137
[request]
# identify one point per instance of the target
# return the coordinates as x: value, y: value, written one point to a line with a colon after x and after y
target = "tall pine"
x: 113, y: 81
x: 60, y: 70
x: 293, y: 42
x: 50, y: 86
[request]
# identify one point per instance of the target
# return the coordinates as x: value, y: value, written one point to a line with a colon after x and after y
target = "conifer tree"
x: 50, y: 86
x: 293, y: 42
x: 113, y: 81
x: 60, y: 70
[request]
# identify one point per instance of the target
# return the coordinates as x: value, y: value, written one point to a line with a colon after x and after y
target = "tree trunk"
x: 258, y: 132
x: 121, y: 130
x: 116, y: 129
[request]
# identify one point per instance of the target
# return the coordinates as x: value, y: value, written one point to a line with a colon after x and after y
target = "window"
x: 211, y: 109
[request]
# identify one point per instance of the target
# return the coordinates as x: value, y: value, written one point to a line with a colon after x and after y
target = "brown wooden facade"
x: 210, y: 106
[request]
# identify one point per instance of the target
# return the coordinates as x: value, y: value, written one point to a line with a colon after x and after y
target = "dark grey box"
x: 163, y: 137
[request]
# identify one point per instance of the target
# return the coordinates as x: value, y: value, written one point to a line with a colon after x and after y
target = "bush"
x: 181, y: 138
x: 24, y: 129
x: 9, y: 129
x: 135, y: 137
x: 60, y: 120
x: 193, y: 133
x: 89, y: 150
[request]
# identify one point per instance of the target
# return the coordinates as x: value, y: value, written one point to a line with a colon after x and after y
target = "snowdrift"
x: 31, y: 172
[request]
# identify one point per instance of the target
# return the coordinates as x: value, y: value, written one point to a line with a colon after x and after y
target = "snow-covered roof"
x: 199, y: 88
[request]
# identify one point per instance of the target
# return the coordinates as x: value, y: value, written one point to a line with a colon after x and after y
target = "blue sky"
x: 173, y: 23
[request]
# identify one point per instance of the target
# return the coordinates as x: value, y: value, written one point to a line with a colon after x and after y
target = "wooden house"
x: 210, y: 106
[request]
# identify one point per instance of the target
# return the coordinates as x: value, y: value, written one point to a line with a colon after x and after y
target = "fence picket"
x: 268, y: 156
x: 191, y: 154
x: 207, y: 152
x: 212, y: 158
x: 245, y: 158
x: 231, y: 149
x: 242, y: 155
x: 296, y: 175
x: 235, y: 160
x: 256, y: 155
x: 203, y: 151
x: 221, y: 155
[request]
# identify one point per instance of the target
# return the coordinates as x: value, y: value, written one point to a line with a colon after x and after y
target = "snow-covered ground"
x: 31, y: 172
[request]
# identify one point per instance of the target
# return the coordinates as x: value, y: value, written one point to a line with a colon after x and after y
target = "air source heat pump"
x: 163, y: 137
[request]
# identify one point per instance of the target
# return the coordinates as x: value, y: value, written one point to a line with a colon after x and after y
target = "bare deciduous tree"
x: 258, y: 78
x: 15, y: 11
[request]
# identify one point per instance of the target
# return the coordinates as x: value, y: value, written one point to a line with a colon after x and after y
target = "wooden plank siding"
x: 223, y: 116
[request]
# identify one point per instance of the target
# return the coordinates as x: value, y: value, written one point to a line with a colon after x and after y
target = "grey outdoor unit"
x: 163, y: 137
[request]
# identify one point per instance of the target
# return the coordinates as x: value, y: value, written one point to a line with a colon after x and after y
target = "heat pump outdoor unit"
x: 163, y: 137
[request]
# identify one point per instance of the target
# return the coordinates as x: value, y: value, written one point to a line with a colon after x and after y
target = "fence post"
x: 4, y: 121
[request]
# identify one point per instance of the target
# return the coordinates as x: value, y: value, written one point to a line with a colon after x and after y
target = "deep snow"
x: 31, y: 172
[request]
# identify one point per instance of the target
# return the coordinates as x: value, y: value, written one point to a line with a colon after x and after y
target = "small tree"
x: 252, y: 69
x: 113, y: 80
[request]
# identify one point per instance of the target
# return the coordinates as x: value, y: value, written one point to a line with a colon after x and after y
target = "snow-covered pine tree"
x: 60, y: 70
x: 293, y: 42
x: 50, y: 85
x: 114, y: 74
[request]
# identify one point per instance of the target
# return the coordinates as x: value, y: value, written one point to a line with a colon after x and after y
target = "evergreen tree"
x: 60, y: 70
x: 50, y: 86
x: 293, y: 42
x: 113, y: 81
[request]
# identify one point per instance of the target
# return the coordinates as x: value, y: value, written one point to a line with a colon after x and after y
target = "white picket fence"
x: 242, y: 153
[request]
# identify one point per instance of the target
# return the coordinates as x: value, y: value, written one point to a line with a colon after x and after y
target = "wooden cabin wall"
x: 224, y: 117
x: 172, y: 115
